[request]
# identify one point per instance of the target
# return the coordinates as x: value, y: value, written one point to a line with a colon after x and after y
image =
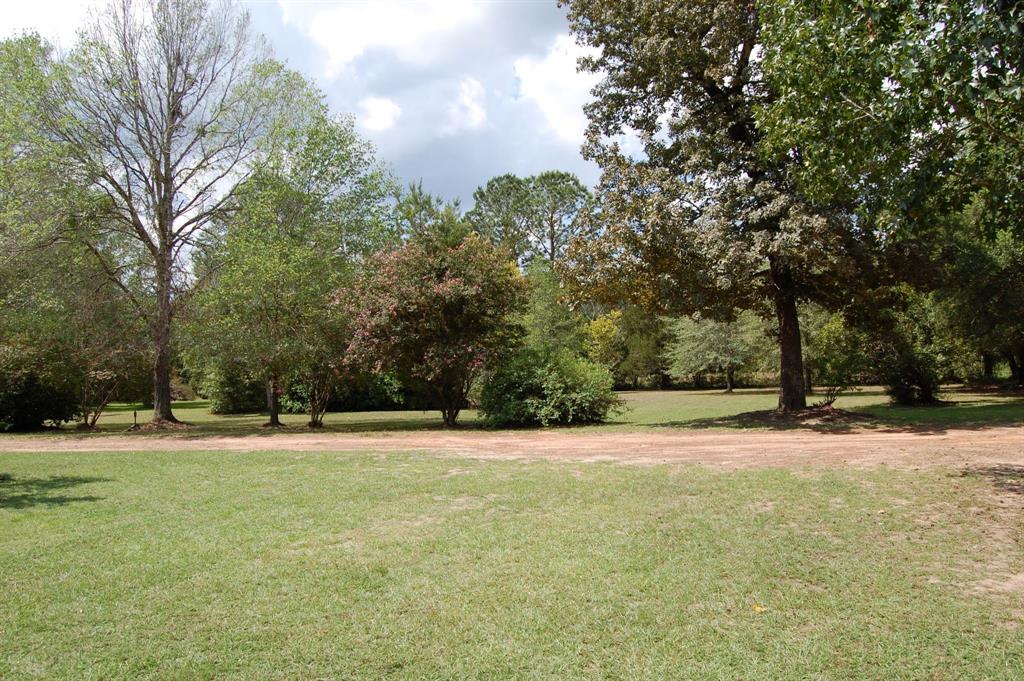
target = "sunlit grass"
x: 643, y: 410
x: 185, y: 565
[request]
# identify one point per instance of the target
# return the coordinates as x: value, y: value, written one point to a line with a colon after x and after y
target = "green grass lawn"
x: 328, y: 566
x: 643, y: 410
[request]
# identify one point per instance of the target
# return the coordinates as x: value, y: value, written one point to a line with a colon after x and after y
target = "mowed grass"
x: 642, y: 410
x: 328, y: 566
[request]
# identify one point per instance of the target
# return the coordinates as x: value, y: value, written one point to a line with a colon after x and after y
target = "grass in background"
x: 646, y: 409
x: 315, y: 565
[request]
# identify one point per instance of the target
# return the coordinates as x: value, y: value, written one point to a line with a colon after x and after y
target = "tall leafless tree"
x: 166, y: 105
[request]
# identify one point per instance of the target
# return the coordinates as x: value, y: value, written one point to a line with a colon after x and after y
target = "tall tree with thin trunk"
x: 557, y: 200
x: 166, y: 104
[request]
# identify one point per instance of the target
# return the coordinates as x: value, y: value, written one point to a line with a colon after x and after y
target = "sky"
x: 452, y: 92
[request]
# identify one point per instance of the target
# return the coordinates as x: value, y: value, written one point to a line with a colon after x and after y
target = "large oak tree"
x: 701, y: 220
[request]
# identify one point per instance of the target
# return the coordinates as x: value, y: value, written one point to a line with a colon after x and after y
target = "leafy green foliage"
x: 644, y: 337
x: 420, y: 213
x: 550, y: 324
x: 231, y: 389
x: 902, y: 344
x: 502, y: 212
x: 534, y: 217
x: 436, y: 315
x: 841, y: 358
x: 699, y: 346
x: 900, y: 107
x: 909, y: 372
x: 37, y: 387
x: 603, y: 339
x: 701, y: 221
x: 539, y: 388
x: 305, y: 224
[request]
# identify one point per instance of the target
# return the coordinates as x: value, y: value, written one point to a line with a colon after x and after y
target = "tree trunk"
x: 988, y: 365
x: 791, y: 375
x: 450, y: 416
x: 1015, y: 369
x: 808, y: 380
x: 730, y: 379
x: 1016, y: 360
x: 162, y: 340
x: 273, y: 403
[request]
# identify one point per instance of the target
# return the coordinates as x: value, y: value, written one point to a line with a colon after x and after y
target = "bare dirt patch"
x: 999, y: 449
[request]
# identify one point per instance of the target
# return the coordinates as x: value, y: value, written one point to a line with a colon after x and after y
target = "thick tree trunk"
x: 273, y: 403
x: 1016, y: 360
x: 730, y: 379
x: 1014, y: 369
x: 988, y: 365
x: 791, y: 375
x: 162, y: 340
x: 450, y: 416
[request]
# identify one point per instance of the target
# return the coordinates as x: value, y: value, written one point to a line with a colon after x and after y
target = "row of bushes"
x: 531, y: 387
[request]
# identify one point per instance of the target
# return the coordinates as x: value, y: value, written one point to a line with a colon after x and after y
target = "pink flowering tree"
x: 436, y: 314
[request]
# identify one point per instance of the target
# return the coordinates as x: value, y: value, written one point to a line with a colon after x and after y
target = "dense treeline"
x: 826, y: 196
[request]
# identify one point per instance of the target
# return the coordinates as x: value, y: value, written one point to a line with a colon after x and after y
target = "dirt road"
x: 866, y: 447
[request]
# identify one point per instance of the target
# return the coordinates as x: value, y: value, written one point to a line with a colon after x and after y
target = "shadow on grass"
x: 976, y: 415
x: 1004, y: 477
x: 28, y: 492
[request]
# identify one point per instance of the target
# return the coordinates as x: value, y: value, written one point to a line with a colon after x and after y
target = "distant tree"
x: 911, y: 113
x: 983, y: 294
x: 59, y: 308
x: 501, y: 213
x: 417, y: 211
x: 436, y: 315
x: 533, y: 217
x: 164, y: 107
x: 644, y: 337
x: 558, y: 200
x: 900, y: 331
x: 812, y: 319
x: 698, y: 346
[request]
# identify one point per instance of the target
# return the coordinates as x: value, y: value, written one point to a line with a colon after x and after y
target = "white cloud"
x: 55, y: 20
x: 557, y: 88
x: 468, y: 111
x: 415, y: 30
x: 378, y: 114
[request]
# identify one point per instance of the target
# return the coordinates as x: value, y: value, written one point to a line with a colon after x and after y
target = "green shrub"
x: 534, y: 388
x: 909, y: 373
x: 35, y: 391
x: 233, y: 391
x: 840, y: 357
x: 364, y: 392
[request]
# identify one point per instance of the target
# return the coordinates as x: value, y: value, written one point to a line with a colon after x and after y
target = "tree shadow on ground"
x: 821, y: 420
x: 1006, y: 478
x: 930, y: 420
x: 28, y: 492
